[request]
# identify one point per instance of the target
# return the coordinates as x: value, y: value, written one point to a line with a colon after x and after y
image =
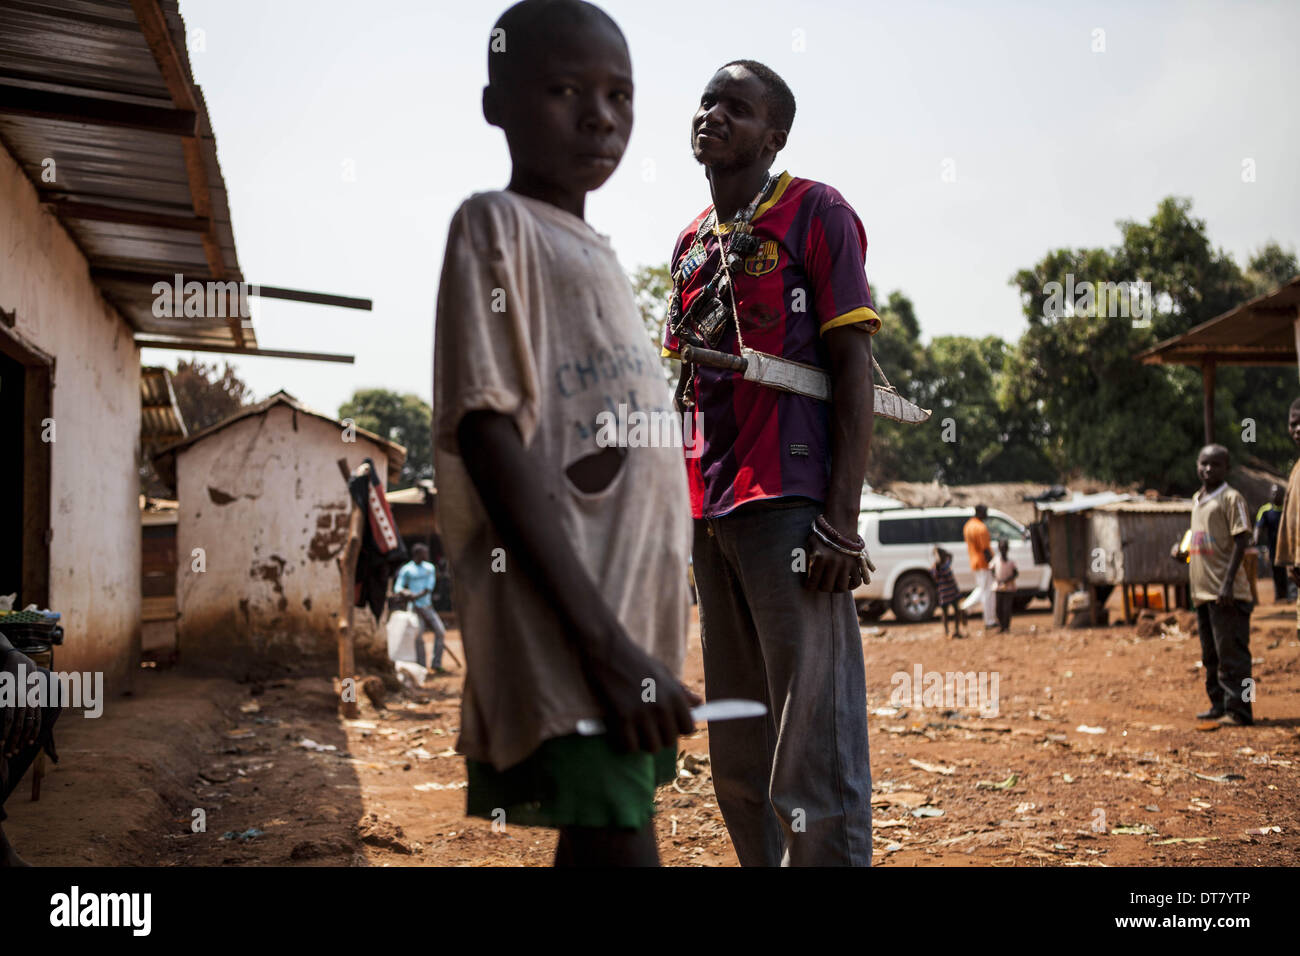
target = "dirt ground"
x: 1092, y: 759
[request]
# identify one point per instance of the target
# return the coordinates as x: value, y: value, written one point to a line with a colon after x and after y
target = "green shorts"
x: 572, y: 781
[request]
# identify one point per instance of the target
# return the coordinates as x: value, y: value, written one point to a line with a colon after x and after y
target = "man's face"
x: 1293, y: 426
x: 1211, y: 467
x: 420, y: 554
x: 729, y: 130
x: 566, y: 108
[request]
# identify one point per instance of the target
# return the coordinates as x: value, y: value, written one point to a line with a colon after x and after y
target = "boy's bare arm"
x: 501, y: 470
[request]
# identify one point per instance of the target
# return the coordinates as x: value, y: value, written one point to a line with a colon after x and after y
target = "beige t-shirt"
x: 537, y: 320
x: 1216, y: 518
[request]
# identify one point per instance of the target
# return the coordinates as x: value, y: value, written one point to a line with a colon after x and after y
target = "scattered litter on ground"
x: 1085, y: 729
x: 1006, y: 784
x: 932, y: 767
x: 251, y: 833
x: 308, y: 744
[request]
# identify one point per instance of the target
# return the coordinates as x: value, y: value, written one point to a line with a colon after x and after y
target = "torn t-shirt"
x: 536, y: 320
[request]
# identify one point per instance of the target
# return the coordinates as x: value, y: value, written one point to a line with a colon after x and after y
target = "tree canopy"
x: 406, y: 419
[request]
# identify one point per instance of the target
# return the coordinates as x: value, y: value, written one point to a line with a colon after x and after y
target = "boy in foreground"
x: 1220, y: 590
x: 569, y: 558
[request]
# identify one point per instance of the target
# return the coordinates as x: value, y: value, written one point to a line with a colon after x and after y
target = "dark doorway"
x: 13, y: 399
x: 27, y: 433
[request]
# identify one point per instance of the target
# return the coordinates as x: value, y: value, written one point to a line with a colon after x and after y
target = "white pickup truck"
x: 901, y: 545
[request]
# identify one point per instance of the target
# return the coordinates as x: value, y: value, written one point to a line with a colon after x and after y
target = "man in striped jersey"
x: 776, y: 481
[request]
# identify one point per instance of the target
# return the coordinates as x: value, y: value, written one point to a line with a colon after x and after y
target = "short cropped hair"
x: 777, y: 96
x: 530, y: 21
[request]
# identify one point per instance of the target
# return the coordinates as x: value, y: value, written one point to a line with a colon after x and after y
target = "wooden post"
x: 1207, y: 381
x: 347, y: 561
x: 1128, y: 605
x: 1060, y: 612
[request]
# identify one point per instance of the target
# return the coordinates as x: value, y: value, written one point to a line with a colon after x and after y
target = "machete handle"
x: 708, y: 357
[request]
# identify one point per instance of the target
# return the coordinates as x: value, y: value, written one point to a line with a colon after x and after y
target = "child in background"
x: 946, y: 583
x: 1220, y: 589
x: 568, y: 557
x: 1005, y: 573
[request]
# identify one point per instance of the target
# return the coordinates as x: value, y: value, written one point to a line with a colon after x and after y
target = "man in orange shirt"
x: 976, y: 533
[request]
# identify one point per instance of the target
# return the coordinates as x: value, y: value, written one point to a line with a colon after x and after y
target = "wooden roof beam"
x: 95, y: 111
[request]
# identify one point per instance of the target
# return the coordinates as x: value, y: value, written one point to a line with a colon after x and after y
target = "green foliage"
x: 206, y: 394
x: 405, y: 419
x: 1109, y: 416
x: 652, y: 285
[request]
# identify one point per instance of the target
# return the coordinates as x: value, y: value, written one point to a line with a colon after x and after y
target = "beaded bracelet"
x: 855, y: 544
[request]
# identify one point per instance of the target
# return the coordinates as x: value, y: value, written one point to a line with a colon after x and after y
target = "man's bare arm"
x: 852, y: 421
x: 501, y: 470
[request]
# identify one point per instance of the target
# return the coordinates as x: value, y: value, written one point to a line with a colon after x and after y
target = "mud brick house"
x: 263, y: 512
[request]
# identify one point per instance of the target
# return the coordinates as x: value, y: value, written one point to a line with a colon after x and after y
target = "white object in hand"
x: 727, y: 709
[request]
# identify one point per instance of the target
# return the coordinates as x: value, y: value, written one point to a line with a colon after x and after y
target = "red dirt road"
x: 1093, y: 758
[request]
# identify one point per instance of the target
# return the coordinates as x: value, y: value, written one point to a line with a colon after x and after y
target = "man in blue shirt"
x: 415, y: 582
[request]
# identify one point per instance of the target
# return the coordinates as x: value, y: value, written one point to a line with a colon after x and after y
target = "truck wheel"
x: 915, y: 598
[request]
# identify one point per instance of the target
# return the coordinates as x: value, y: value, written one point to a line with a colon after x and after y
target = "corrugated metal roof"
x: 160, y: 417
x: 99, y: 49
x: 1082, y: 502
x: 1140, y: 506
x: 1258, y: 332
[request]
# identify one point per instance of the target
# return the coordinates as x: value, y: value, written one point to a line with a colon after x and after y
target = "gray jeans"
x: 429, y: 617
x: 794, y: 787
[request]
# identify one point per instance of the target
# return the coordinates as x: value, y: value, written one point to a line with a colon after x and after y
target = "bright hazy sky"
x: 1051, y: 143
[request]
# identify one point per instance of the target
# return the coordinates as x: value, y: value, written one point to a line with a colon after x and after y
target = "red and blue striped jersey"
x: 807, y: 277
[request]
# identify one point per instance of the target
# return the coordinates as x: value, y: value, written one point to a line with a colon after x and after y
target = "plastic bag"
x: 404, y: 629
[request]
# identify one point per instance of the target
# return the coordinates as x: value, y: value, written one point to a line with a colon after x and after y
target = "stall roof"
x: 1258, y: 332
x: 1082, y: 502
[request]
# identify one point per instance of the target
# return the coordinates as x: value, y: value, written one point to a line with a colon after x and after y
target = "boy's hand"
x: 1225, y: 595
x: 1293, y: 572
x: 646, y: 708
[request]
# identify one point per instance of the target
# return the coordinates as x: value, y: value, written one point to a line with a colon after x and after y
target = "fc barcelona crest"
x: 763, y: 261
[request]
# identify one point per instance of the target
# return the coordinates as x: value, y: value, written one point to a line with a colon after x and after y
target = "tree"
x: 206, y: 394
x: 652, y: 285
x: 405, y: 419
x: 1105, y: 414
